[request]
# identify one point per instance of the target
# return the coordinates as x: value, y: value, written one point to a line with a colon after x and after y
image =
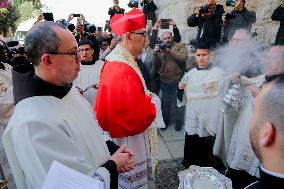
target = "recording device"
x: 90, y: 28
x: 163, y: 46
x: 204, y: 9
x: 165, y: 24
x: 230, y: 3
x: 76, y: 15
x: 48, y: 16
x: 133, y: 4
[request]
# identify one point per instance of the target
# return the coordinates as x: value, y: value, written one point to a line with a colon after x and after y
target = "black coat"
x: 112, y: 11
x: 243, y: 20
x: 278, y: 15
x: 210, y: 35
x: 149, y: 11
x: 267, y: 181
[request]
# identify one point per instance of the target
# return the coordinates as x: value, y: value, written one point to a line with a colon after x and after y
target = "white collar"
x: 279, y: 175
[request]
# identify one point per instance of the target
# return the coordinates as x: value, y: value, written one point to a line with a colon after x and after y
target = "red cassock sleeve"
x: 122, y: 107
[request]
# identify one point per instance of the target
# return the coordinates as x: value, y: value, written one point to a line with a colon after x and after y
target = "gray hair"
x: 272, y: 107
x: 40, y: 39
x: 120, y: 38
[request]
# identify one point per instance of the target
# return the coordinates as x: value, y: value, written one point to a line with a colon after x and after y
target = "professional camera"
x: 230, y: 15
x: 204, y: 9
x: 90, y: 28
x: 133, y: 4
x: 164, y: 46
x: 230, y: 3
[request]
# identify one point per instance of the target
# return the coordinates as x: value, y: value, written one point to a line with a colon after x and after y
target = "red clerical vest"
x: 122, y: 107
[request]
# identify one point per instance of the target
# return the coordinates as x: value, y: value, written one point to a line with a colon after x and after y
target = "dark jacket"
x: 243, y: 20
x: 278, y: 15
x: 267, y: 181
x: 171, y: 67
x: 112, y: 11
x: 149, y: 9
x: 209, y: 30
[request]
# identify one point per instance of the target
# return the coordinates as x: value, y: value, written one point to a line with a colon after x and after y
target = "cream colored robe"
x: 45, y: 128
x: 203, y: 98
x: 89, y: 75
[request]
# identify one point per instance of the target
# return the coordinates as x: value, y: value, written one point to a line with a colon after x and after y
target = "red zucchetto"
x: 131, y: 21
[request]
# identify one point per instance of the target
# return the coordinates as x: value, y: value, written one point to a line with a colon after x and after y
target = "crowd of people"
x: 95, y: 99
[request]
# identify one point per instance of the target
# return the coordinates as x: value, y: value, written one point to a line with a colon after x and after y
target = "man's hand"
x: 172, y: 22
x: 113, y: 43
x: 238, y: 6
x: 70, y: 17
x: 122, y: 157
x: 181, y: 86
x: 39, y: 18
x: 82, y: 17
x: 157, y: 49
x: 282, y: 5
x: 157, y: 24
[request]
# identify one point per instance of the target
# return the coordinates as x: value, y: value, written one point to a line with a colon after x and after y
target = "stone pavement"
x: 170, y: 152
x: 170, y: 143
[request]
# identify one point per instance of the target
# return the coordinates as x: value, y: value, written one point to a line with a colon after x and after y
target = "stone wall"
x: 179, y: 10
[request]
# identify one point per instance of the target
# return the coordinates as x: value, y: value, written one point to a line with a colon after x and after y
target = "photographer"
x: 87, y: 31
x: 170, y: 58
x: 278, y: 15
x: 208, y: 18
x: 115, y: 9
x: 155, y: 30
x: 149, y: 8
x: 239, y: 18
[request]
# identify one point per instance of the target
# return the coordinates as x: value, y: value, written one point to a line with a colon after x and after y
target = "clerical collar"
x: 27, y: 84
x: 92, y: 62
x: 207, y: 68
x: 269, y: 179
x: 279, y: 175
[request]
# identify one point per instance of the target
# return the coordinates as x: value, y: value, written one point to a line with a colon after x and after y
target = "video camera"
x: 204, y: 9
x: 9, y: 53
x: 90, y: 28
x: 163, y: 46
x: 229, y: 3
x: 133, y: 4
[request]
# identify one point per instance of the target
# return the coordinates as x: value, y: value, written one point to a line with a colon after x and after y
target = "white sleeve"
x: 38, y: 144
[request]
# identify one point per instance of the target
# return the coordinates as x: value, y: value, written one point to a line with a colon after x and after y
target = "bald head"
x: 274, y: 61
x: 267, y: 123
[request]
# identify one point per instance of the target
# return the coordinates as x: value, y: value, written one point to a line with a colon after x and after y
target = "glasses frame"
x: 71, y: 53
x: 144, y: 33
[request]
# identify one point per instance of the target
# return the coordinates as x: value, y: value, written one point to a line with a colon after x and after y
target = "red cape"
x: 122, y: 107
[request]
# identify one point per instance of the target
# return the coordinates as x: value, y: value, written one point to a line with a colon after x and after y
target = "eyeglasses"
x: 71, y: 53
x: 141, y: 33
